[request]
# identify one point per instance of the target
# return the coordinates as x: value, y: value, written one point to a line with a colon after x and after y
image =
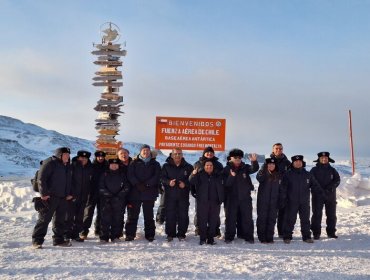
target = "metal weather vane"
x: 109, y: 54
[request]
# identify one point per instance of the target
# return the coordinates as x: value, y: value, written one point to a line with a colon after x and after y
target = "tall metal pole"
x: 351, y: 142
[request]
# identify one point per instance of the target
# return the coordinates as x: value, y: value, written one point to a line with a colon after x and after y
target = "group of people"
x: 72, y: 190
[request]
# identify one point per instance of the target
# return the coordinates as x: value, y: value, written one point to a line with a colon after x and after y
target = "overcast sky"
x: 277, y: 71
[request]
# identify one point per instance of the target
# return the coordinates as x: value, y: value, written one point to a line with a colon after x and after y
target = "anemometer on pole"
x: 108, y: 77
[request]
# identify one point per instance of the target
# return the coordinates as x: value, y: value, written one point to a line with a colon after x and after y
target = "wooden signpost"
x: 109, y: 105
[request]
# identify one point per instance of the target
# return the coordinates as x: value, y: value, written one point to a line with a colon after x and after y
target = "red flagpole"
x: 351, y: 142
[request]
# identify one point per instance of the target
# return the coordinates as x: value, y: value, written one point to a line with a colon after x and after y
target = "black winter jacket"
x: 239, y: 187
x: 269, y: 188
x: 98, y: 170
x: 55, y: 178
x: 171, y: 171
x: 327, y: 177
x: 202, y: 181
x: 114, y: 183
x: 81, y: 180
x: 144, y: 178
x: 296, y: 186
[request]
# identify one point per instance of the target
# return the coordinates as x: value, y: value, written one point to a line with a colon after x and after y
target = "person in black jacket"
x: 208, y: 153
x: 125, y: 160
x: 99, y: 166
x: 329, y: 180
x: 283, y: 165
x: 175, y: 179
x: 113, y: 187
x: 143, y: 174
x: 295, y: 196
x: 238, y: 187
x: 209, y: 191
x: 82, y: 172
x: 269, y: 178
x: 55, y: 180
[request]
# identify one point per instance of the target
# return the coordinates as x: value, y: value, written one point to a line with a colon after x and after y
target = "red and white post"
x: 351, y: 142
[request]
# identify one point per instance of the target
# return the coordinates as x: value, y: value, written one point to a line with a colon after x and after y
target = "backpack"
x: 34, y: 183
x: 34, y: 180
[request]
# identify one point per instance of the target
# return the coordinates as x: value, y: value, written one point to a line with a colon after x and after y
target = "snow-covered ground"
x: 345, y: 258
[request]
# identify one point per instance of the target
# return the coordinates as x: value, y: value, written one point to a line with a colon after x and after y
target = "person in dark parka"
x: 208, y: 153
x: 238, y: 187
x: 82, y: 172
x: 283, y: 165
x: 269, y: 178
x: 125, y: 160
x: 210, y: 192
x: 295, y: 196
x: 114, y: 187
x: 329, y: 180
x: 55, y: 180
x: 144, y: 175
x: 99, y: 166
x: 175, y: 179
x: 160, y: 217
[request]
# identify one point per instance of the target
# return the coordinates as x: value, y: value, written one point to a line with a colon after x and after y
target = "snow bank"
x: 344, y: 258
x: 353, y: 191
x: 16, y: 196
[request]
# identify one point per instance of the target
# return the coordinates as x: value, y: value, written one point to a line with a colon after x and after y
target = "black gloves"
x: 41, y: 206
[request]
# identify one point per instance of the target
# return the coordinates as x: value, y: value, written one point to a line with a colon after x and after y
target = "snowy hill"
x: 23, y: 145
